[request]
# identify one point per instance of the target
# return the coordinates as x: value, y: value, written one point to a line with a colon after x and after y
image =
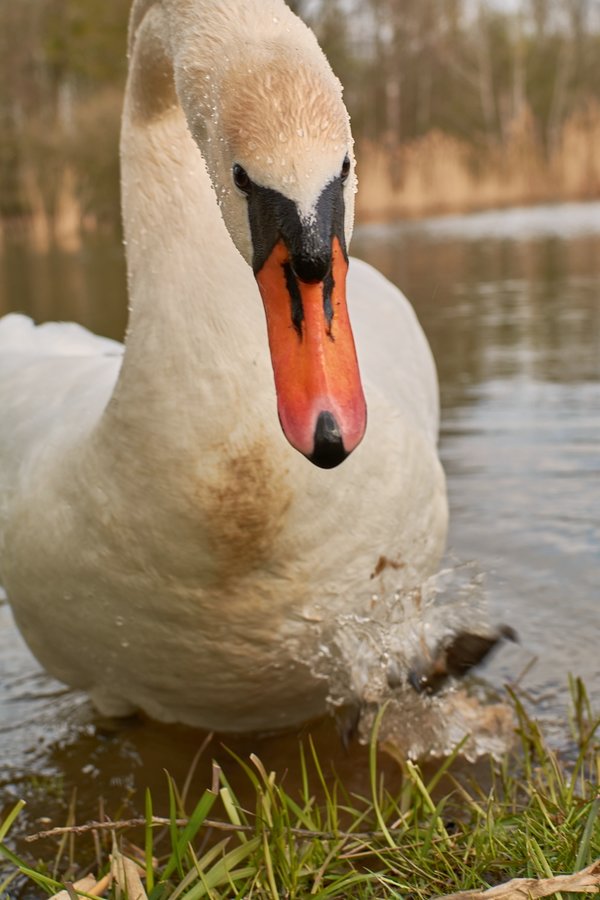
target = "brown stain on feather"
x: 151, y: 85
x: 384, y: 563
x: 246, y: 505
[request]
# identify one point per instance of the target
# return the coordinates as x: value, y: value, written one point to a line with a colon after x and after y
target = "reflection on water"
x: 511, y: 305
x: 512, y: 311
x: 86, y: 287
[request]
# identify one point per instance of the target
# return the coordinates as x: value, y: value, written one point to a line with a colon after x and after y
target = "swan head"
x: 271, y: 123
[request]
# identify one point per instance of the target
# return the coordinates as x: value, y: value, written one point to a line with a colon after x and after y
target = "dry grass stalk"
x: 208, y: 823
x: 587, y: 881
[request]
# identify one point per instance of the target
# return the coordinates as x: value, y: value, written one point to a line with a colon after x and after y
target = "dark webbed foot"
x: 347, y: 721
x: 455, y: 657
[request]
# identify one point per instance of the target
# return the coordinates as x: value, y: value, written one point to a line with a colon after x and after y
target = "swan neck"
x: 170, y: 213
x: 195, y: 311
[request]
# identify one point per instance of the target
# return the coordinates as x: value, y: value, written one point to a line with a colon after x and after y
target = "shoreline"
x: 49, y: 237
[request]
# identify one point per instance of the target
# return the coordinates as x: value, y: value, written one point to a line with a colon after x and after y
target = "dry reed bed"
x: 439, y: 173
x: 434, y: 174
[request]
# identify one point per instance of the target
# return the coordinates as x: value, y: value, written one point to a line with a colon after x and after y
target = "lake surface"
x: 510, y: 302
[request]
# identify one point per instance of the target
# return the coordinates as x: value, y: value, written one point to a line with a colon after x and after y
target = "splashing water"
x: 367, y: 657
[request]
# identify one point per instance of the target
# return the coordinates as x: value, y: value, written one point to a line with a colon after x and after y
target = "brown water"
x: 511, y: 304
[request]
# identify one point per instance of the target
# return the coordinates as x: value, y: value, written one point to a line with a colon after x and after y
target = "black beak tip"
x: 329, y: 450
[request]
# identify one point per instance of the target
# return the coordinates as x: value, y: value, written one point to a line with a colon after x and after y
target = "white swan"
x: 164, y: 547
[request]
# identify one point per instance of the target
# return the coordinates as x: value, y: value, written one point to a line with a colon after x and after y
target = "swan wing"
x: 55, y: 381
x: 21, y: 337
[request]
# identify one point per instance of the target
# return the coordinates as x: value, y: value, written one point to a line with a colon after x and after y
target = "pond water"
x: 510, y: 302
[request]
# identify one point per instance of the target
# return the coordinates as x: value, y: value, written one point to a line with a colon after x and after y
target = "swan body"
x: 162, y: 544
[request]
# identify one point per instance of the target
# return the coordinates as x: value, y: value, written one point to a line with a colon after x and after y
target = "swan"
x: 186, y: 519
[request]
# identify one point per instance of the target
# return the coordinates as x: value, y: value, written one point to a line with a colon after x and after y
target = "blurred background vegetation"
x: 455, y: 104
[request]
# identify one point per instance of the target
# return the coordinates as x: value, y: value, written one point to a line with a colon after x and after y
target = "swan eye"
x: 241, y: 179
x: 345, y: 169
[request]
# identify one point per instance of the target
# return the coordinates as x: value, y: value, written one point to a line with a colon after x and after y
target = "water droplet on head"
x: 119, y: 621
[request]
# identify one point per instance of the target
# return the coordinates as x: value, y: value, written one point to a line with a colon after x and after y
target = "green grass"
x: 539, y: 817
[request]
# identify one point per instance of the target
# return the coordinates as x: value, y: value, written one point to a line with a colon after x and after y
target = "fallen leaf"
x: 126, y: 875
x: 585, y: 882
x: 86, y: 885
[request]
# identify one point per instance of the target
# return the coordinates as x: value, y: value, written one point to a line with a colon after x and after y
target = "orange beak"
x: 320, y: 400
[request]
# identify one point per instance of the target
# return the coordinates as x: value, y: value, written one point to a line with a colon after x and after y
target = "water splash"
x: 367, y: 657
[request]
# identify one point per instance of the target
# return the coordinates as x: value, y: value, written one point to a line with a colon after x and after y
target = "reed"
x: 76, y: 188
x: 438, y: 173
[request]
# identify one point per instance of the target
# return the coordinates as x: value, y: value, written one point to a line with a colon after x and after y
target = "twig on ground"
x: 208, y: 823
